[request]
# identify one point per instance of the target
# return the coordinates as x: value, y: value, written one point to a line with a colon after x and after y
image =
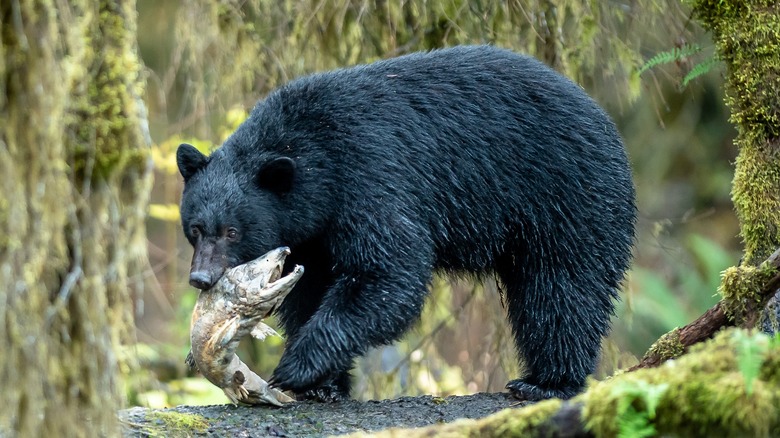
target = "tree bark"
x: 75, y: 182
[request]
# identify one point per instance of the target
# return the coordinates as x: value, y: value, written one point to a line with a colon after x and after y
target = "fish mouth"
x: 276, y: 273
x: 279, y: 270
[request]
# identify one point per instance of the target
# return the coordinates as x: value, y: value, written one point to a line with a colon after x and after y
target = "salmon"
x: 230, y: 310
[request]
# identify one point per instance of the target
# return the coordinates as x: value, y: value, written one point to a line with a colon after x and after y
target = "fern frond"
x: 751, y: 352
x: 667, y: 56
x: 700, y: 69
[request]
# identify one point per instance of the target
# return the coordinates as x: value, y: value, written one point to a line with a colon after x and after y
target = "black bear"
x: 467, y: 160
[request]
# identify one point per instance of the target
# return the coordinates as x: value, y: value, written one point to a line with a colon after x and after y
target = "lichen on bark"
x: 105, y: 99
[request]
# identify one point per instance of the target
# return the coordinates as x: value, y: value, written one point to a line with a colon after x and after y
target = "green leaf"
x: 700, y: 69
x: 673, y: 55
x: 751, y: 350
x: 636, y: 405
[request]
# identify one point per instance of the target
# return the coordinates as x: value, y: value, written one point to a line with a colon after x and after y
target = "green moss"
x: 519, y: 423
x: 770, y: 369
x: 173, y: 423
x: 747, y: 36
x: 756, y: 196
x: 668, y: 346
x: 439, y: 401
x: 106, y: 97
x: 706, y: 395
x: 740, y: 288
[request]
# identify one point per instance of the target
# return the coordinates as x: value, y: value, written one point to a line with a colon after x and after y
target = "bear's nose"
x: 201, y: 280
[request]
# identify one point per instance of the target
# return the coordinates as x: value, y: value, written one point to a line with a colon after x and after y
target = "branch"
x: 677, y: 341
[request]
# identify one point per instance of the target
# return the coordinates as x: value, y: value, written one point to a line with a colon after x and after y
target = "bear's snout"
x: 201, y: 280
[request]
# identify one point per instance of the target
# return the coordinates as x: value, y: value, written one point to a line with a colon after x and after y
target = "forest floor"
x: 309, y: 419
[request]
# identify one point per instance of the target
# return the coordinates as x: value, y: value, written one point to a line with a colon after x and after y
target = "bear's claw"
x: 527, y: 391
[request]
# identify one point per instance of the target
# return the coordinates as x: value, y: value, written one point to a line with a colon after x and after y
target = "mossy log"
x: 703, y: 393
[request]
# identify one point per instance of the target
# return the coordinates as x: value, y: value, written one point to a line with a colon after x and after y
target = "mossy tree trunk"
x: 747, y: 37
x: 74, y: 182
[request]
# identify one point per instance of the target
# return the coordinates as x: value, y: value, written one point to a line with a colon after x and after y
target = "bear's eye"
x: 194, y: 231
x: 232, y: 233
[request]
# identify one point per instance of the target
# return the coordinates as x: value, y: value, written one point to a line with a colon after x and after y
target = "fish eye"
x: 232, y: 233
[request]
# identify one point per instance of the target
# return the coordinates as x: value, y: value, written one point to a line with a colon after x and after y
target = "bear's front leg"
x: 333, y: 389
x: 366, y: 307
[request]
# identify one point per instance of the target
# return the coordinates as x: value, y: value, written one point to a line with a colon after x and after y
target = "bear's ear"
x: 277, y: 175
x: 190, y: 160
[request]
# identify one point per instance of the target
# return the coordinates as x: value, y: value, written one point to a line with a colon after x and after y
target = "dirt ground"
x: 309, y: 419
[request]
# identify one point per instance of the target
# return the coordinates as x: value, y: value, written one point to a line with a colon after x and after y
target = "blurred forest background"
x: 208, y: 62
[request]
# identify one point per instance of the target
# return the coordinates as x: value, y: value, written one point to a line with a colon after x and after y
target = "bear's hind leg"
x: 558, y: 322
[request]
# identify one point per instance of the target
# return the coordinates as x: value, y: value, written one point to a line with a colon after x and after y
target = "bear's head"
x: 229, y: 214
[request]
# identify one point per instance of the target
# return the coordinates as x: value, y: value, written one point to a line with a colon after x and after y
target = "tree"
x: 75, y: 181
x: 747, y: 37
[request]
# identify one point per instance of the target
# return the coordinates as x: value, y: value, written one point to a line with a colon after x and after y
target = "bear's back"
x: 481, y: 144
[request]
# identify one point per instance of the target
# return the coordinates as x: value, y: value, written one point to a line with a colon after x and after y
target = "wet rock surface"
x: 311, y: 419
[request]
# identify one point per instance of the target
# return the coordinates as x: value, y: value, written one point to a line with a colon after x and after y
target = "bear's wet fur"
x: 466, y: 160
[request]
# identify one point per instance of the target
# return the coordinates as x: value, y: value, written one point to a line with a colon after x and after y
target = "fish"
x: 234, y: 307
